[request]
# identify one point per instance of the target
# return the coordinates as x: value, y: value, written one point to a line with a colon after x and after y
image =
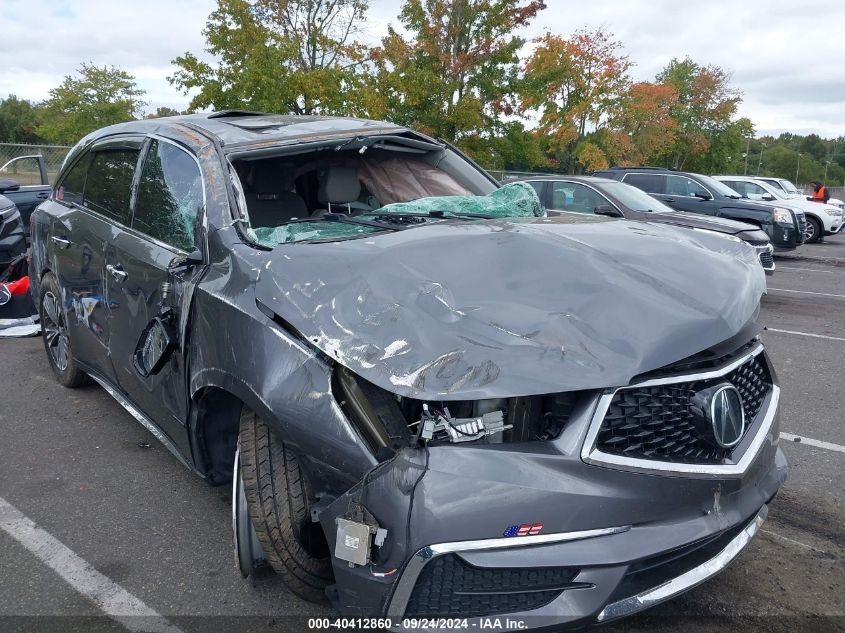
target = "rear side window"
x: 650, y: 183
x: 169, y: 196
x: 109, y: 184
x: 70, y: 189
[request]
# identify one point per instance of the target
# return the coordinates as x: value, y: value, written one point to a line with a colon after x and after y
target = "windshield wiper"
x: 436, y: 214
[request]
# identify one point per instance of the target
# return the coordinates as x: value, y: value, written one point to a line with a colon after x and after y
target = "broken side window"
x: 170, y: 196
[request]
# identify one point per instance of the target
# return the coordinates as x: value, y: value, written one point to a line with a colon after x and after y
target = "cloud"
x: 788, y: 68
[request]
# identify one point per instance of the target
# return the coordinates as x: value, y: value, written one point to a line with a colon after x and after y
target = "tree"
x: 95, y: 98
x: 574, y: 83
x: 18, y: 121
x: 644, y: 124
x: 454, y: 74
x: 704, y: 109
x: 296, y: 56
x: 163, y: 111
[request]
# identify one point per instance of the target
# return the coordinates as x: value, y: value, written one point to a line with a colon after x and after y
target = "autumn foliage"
x: 459, y: 70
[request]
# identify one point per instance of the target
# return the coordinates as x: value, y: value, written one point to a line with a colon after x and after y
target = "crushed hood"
x: 499, y: 308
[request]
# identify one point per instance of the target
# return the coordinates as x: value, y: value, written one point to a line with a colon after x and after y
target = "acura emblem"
x: 727, y: 416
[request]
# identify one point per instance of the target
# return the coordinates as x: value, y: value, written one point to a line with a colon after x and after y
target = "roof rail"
x: 643, y: 167
x: 227, y: 113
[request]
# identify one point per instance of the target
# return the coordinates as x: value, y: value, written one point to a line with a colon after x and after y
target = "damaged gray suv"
x: 432, y: 400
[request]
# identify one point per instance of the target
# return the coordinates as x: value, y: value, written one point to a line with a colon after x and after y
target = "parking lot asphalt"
x: 82, y: 470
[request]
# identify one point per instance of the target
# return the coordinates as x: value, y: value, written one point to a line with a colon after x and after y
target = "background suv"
x: 602, y: 196
x: 696, y: 193
x: 822, y: 219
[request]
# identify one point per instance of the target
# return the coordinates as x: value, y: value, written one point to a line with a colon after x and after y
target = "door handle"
x: 60, y: 242
x: 117, y: 273
x: 669, y: 200
x: 43, y: 195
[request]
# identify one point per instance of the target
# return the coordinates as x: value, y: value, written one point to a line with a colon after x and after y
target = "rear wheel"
x: 279, y: 500
x: 813, y: 232
x: 54, y: 333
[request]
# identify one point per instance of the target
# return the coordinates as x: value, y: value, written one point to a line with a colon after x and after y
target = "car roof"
x: 597, y: 179
x: 240, y: 127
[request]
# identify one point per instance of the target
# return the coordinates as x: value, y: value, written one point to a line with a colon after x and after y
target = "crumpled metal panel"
x: 501, y: 308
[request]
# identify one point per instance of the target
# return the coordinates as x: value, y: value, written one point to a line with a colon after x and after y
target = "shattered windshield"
x: 514, y: 200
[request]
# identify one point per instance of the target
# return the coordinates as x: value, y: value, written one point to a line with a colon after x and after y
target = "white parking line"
x: 824, y: 336
x: 810, y: 270
x: 799, y: 439
x: 110, y: 597
x: 807, y: 292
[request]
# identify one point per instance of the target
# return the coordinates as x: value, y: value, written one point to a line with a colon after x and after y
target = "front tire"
x: 54, y: 333
x: 279, y: 500
x: 813, y: 233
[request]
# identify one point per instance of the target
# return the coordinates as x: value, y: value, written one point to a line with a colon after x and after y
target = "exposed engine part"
x: 440, y: 425
x: 357, y: 532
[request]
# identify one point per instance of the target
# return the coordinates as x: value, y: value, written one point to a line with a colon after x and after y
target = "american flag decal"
x: 525, y: 529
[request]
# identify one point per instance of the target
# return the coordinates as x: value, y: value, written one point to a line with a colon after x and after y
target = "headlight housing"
x: 782, y: 216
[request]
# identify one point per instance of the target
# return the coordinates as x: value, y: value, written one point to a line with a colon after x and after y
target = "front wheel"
x: 54, y: 333
x: 813, y: 232
x: 279, y: 500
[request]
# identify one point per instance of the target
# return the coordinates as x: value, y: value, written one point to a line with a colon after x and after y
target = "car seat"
x: 269, y: 204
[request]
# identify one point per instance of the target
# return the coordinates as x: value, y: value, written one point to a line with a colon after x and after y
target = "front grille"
x: 449, y: 586
x: 766, y: 260
x: 656, y: 422
x: 802, y: 222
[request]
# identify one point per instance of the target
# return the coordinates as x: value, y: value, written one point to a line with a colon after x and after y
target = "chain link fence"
x: 26, y: 172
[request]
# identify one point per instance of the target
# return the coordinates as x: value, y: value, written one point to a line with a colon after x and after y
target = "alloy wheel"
x: 55, y: 331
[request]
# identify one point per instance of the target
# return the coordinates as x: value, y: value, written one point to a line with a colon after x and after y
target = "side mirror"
x: 155, y: 346
x: 8, y: 185
x: 703, y: 195
x: 768, y: 197
x: 180, y: 262
x: 606, y: 209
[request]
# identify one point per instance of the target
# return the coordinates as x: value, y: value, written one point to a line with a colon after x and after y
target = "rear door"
x: 147, y: 283
x: 96, y: 194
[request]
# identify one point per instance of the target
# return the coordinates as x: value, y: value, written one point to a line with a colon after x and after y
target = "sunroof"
x: 227, y: 113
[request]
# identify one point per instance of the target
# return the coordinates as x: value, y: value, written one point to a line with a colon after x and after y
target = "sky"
x: 784, y: 56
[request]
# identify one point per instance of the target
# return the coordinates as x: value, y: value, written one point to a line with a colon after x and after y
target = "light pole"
x: 797, y: 167
x: 760, y: 162
x: 747, y: 150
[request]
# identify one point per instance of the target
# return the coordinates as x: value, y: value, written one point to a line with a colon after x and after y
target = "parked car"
x: 24, y: 181
x: 822, y: 219
x: 429, y: 400
x: 603, y: 196
x: 12, y: 234
x: 696, y: 193
x: 794, y: 192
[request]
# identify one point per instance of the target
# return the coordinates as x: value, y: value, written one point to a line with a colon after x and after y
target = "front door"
x: 146, y: 275
x: 680, y: 194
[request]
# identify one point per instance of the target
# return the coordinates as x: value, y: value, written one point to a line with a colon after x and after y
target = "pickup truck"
x: 24, y: 181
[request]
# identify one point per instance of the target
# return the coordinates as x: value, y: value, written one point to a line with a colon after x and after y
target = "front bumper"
x: 615, y: 536
x: 618, y: 571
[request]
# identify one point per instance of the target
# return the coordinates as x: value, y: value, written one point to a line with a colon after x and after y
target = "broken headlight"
x: 389, y: 421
